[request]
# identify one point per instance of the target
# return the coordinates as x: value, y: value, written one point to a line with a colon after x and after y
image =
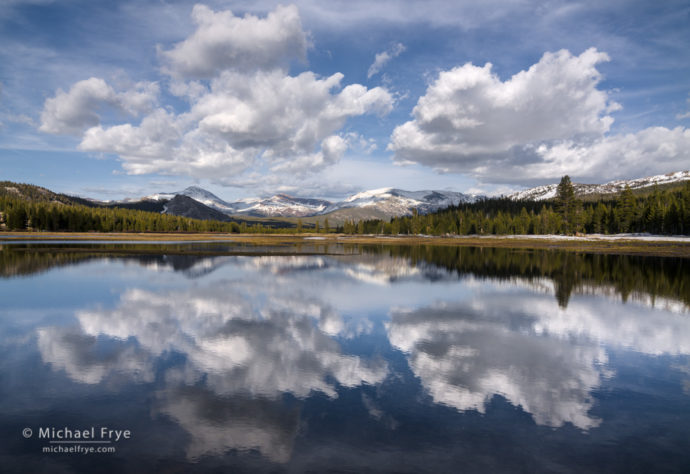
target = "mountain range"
x: 280, y: 210
x: 381, y: 203
x: 377, y: 203
x: 541, y: 193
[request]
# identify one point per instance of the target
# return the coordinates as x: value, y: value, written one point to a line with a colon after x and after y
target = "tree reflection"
x: 628, y: 275
x: 570, y: 271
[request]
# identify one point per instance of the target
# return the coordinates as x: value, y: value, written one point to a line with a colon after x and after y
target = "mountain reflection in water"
x: 284, y: 357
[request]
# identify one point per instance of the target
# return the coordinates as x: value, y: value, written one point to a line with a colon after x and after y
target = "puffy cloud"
x: 139, y: 99
x: 78, y: 109
x: 245, y: 111
x: 156, y: 134
x: 223, y: 41
x: 288, y: 115
x: 546, y: 121
x: 650, y: 151
x: 468, y: 113
x: 285, y: 121
x: 162, y: 143
x: 382, y: 58
x: 332, y: 148
x: 74, y: 111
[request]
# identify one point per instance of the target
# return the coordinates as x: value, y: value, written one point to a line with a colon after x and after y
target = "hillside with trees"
x: 29, y: 207
x: 658, y: 212
x: 667, y: 211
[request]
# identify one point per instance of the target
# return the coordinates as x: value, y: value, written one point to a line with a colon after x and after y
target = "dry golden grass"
x: 624, y: 247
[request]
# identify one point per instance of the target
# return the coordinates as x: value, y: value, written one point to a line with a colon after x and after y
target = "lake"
x: 230, y: 357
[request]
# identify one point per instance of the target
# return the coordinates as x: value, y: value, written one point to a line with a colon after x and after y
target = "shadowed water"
x: 344, y: 358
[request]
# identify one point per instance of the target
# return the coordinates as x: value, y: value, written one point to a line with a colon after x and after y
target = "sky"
x: 119, y: 99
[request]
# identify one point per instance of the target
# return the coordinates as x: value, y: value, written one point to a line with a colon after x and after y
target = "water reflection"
x: 630, y: 277
x: 538, y: 355
x: 463, y: 358
x: 245, y: 343
x: 250, y: 355
x: 218, y: 424
x: 239, y: 337
x: 89, y: 359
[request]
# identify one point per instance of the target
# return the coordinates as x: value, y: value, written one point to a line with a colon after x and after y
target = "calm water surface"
x: 234, y: 358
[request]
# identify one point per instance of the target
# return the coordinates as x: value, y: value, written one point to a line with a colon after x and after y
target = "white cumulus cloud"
x: 650, y: 151
x: 75, y: 110
x: 245, y: 111
x: 290, y: 123
x: 382, y: 58
x: 543, y: 122
x: 223, y: 41
x: 79, y: 108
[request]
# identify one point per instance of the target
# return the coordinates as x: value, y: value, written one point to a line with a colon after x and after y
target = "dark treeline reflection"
x: 29, y: 258
x: 652, y: 276
x: 570, y: 272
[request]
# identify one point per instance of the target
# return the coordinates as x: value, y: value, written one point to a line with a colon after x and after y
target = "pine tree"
x: 568, y: 207
x: 627, y: 209
x: 599, y: 219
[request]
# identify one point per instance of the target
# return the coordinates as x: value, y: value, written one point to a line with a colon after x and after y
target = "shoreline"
x: 621, y: 244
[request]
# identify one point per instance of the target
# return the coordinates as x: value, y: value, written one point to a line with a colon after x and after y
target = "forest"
x: 656, y: 212
x: 18, y: 213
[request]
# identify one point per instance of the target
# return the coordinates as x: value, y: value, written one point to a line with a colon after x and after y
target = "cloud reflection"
x: 522, y: 345
x: 87, y: 360
x: 463, y: 359
x: 269, y: 326
x: 217, y: 424
x: 245, y: 344
x: 239, y: 338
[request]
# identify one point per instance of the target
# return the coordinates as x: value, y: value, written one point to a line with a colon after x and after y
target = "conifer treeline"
x: 20, y: 214
x: 661, y: 212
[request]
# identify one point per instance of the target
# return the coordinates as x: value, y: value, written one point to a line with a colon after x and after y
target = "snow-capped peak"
x: 397, y: 202
x: 388, y: 201
x: 373, y: 193
x: 548, y: 191
x: 282, y: 205
x: 198, y: 194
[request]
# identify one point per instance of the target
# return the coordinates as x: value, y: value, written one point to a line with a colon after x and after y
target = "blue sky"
x: 115, y: 99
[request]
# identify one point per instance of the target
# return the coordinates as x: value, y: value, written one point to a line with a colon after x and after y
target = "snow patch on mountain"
x: 281, y: 205
x: 541, y: 193
x: 198, y: 194
x: 390, y: 201
x: 399, y: 202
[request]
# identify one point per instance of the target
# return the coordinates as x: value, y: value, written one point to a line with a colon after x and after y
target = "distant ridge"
x: 185, y: 206
x: 376, y: 203
x: 548, y: 191
x: 382, y: 203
